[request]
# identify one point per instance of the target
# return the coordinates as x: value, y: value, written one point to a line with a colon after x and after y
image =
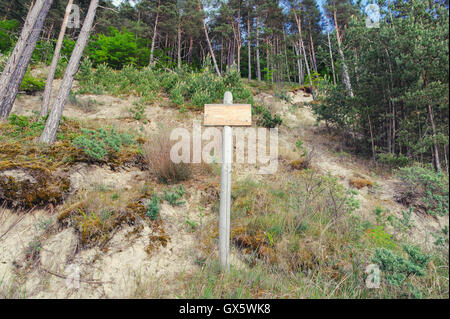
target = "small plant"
x: 87, y: 106
x: 265, y: 118
x: 282, y: 95
x: 44, y: 223
x: 153, y: 208
x: 138, y: 110
x: 99, y: 144
x: 192, y: 224
x: 31, y: 84
x: 380, y: 238
x: 173, y: 196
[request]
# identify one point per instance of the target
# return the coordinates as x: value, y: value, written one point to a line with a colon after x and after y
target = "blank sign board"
x: 228, y: 115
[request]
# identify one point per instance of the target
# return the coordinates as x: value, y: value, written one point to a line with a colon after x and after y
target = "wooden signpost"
x: 226, y: 115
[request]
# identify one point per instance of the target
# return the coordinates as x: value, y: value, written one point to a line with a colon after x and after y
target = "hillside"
x: 176, y: 255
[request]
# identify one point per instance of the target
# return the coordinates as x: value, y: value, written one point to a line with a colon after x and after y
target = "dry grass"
x: 157, y: 156
x: 360, y: 183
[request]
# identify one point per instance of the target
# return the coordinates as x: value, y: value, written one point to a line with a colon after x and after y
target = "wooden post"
x: 226, y: 115
x: 225, y: 192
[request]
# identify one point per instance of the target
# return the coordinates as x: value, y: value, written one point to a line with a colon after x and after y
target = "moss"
x: 96, y: 220
x: 298, y: 164
x: 156, y: 241
x: 360, y: 183
x: 26, y: 185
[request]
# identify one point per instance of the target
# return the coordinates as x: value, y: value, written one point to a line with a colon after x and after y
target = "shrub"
x: 138, y: 110
x: 265, y: 117
x: 425, y: 189
x: 397, y: 268
x: 7, y: 29
x: 380, y: 238
x: 101, y: 144
x: 86, y: 105
x: 31, y: 85
x: 157, y: 155
x: 173, y: 196
x: 118, y: 49
x: 282, y: 95
x: 393, y: 160
x: 153, y: 208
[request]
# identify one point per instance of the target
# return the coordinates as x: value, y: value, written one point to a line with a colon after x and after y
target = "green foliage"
x: 43, y: 52
x: 430, y: 186
x: 183, y: 88
x: 7, y: 30
x: 118, y: 49
x: 282, y: 95
x: 393, y: 160
x: 100, y: 144
x: 397, y: 268
x: 143, y: 83
x: 153, y: 208
x: 138, y: 110
x: 25, y: 126
x: 173, y: 196
x: 31, y: 84
x: 380, y: 238
x: 399, y: 85
x: 265, y: 117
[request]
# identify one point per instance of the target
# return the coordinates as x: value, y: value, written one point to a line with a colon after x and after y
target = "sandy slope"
x: 126, y: 270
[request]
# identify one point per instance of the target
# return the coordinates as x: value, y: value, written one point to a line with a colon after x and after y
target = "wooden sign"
x: 228, y: 115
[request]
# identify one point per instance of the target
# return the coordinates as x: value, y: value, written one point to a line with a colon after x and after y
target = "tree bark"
x: 249, y: 49
x: 51, y: 126
x: 345, y: 76
x: 331, y: 56
x: 155, y: 28
x: 258, y: 62
x: 51, y: 74
x: 302, y: 48
x: 213, y: 57
x: 436, y: 162
x: 179, y: 45
x: 17, y: 64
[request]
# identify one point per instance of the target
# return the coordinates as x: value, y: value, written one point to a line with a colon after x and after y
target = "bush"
x: 157, y: 155
x: 7, y: 29
x: 393, y: 160
x: 31, y: 84
x: 143, y: 83
x: 101, y: 144
x: 397, y: 268
x: 117, y: 50
x: 153, y: 208
x: 425, y: 189
x: 265, y: 118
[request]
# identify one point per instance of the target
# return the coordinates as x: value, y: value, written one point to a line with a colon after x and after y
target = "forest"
x: 359, y: 93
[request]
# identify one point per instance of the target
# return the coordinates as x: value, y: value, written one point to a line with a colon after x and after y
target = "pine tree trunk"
x: 17, y: 64
x: 299, y: 65
x: 302, y: 49
x: 205, y: 29
x: 51, y: 74
x: 313, y: 55
x: 249, y: 50
x: 155, y: 28
x: 331, y: 56
x: 179, y: 46
x: 51, y: 126
x: 345, y: 76
x: 258, y: 62
x: 436, y: 162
